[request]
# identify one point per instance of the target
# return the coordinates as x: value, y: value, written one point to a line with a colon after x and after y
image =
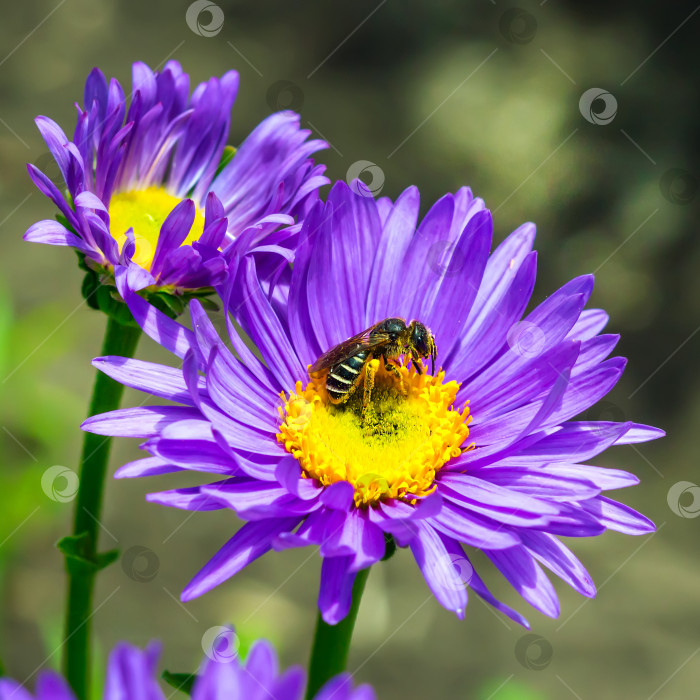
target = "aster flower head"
x: 131, y: 673
x: 152, y: 185
x: 482, y: 454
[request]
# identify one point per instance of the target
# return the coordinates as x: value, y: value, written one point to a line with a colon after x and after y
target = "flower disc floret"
x: 145, y: 211
x: 410, y: 430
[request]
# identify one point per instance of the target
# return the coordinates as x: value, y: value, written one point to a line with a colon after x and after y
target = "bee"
x: 387, y: 340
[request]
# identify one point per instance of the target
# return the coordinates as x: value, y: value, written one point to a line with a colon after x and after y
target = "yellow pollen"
x: 410, y: 431
x: 145, y: 211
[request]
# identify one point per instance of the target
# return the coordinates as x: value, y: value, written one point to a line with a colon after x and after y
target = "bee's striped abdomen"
x: 343, y: 377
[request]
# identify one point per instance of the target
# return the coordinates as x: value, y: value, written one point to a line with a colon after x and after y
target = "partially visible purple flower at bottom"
x: 131, y: 673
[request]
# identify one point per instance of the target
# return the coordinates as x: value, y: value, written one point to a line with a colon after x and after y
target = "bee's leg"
x: 370, y: 370
x: 395, y: 371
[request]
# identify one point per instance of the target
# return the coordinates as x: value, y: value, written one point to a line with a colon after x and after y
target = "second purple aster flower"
x: 483, y: 453
x: 150, y: 182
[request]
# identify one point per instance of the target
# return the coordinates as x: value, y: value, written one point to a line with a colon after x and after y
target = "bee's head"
x: 421, y: 344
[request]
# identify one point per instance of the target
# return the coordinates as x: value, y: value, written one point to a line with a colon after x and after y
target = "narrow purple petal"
x: 437, y: 567
x: 335, y: 594
x: 159, y: 380
x: 149, y: 466
x: 140, y: 422
x: 525, y: 575
x: 249, y: 543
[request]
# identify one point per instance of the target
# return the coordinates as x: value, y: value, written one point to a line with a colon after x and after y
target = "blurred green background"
x: 437, y: 94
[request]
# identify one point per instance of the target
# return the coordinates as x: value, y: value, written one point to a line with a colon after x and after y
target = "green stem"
x: 332, y: 642
x: 83, y: 562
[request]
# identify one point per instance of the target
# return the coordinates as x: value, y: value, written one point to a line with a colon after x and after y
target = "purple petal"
x: 190, y: 498
x: 149, y: 466
x: 140, y: 422
x: 392, y: 245
x: 560, y: 560
x: 172, y: 233
x: 479, y: 587
x: 525, y: 575
x: 437, y: 567
x: 249, y: 543
x: 335, y: 594
x: 618, y: 516
x: 472, y: 528
x: 159, y: 380
x: 359, y: 538
x: 53, y: 233
x: 166, y: 332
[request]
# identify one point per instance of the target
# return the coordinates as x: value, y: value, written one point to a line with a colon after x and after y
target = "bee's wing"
x: 347, y: 349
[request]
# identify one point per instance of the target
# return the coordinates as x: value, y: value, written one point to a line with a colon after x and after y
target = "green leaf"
x: 184, y: 682
x: 64, y: 222
x: 78, y: 562
x: 390, y: 547
x: 208, y: 304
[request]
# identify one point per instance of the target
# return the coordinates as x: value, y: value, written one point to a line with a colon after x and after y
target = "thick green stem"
x: 332, y: 642
x: 82, y: 558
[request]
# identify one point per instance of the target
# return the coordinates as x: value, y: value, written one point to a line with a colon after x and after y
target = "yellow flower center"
x: 145, y: 211
x: 410, y: 430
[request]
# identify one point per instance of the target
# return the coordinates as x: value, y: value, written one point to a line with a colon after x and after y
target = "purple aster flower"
x: 131, y: 673
x: 148, y: 184
x: 482, y: 454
